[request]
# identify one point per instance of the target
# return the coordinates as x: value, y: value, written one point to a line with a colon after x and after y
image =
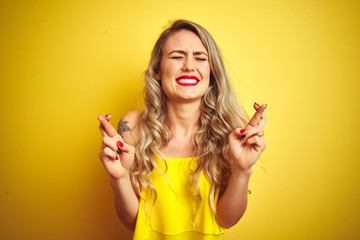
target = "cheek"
x: 205, y: 72
x: 169, y: 69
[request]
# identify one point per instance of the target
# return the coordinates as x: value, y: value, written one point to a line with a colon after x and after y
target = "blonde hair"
x: 220, y: 114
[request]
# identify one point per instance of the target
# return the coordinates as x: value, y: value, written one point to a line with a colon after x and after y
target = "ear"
x: 157, y: 76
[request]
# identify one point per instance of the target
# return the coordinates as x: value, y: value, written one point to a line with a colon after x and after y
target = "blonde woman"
x: 180, y: 168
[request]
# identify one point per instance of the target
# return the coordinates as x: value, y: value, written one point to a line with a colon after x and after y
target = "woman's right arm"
x: 118, y: 165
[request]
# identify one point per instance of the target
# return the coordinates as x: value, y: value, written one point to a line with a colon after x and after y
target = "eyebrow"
x: 184, y: 52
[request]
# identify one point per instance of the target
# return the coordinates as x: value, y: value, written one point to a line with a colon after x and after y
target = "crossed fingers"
x: 109, y: 133
x: 254, y: 131
x: 259, y: 117
x: 105, y: 127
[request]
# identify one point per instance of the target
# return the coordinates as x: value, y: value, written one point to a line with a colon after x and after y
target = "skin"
x: 245, y: 152
x: 117, y: 165
x: 183, y: 54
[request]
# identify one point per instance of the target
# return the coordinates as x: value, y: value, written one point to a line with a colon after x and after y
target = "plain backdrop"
x: 64, y: 62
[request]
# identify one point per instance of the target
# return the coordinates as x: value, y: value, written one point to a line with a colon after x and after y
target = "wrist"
x: 124, y: 177
x: 239, y: 172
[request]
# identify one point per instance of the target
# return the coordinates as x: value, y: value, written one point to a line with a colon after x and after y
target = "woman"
x: 180, y: 168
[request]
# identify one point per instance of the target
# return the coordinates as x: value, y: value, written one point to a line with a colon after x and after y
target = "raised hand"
x: 116, y: 155
x: 246, y: 145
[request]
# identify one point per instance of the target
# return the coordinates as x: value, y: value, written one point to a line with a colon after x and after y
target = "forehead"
x: 183, y: 40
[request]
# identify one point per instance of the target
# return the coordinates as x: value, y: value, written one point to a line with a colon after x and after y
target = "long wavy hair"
x: 220, y: 114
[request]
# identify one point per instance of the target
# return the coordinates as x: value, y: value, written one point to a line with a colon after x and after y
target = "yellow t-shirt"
x: 173, y: 214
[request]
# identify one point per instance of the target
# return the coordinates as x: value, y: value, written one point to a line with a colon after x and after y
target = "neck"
x: 183, y: 118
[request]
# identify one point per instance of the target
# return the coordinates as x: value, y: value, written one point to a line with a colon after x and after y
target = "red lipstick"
x: 186, y: 80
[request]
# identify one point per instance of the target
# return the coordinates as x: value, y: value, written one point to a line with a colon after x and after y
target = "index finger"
x: 109, y: 129
x: 257, y: 116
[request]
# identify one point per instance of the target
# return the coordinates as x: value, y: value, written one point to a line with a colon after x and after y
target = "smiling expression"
x: 184, y: 68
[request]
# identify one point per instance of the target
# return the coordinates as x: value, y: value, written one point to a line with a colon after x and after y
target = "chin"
x: 189, y: 99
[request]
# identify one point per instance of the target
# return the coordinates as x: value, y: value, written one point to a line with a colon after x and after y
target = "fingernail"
x: 242, y: 130
x: 107, y: 114
x: 120, y: 144
x: 118, y: 151
x: 257, y: 105
x: 265, y: 106
x: 117, y: 158
x: 244, y: 144
x: 242, y: 137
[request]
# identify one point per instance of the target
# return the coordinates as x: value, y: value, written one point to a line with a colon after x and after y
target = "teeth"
x: 187, y: 81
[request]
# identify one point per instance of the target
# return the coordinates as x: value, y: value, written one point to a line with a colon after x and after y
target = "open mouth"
x: 187, y: 80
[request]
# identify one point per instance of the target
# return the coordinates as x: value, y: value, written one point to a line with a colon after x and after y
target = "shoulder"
x: 132, y: 116
x: 128, y: 127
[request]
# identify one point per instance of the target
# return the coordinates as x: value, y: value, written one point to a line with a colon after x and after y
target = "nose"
x: 188, y: 64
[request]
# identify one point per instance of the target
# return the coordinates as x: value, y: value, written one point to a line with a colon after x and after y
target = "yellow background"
x: 64, y: 62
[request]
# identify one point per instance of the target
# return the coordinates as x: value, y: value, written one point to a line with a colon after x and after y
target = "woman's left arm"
x: 246, y: 146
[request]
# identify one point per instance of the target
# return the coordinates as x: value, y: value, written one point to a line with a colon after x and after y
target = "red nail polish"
x: 244, y: 144
x: 120, y: 144
x: 107, y: 114
x: 257, y: 105
x: 117, y: 158
x: 242, y: 130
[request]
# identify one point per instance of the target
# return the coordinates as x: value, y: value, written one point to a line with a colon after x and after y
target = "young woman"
x: 180, y: 168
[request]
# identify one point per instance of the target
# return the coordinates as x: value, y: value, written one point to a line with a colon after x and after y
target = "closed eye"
x: 201, y: 59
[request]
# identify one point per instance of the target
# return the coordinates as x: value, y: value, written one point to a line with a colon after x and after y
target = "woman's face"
x: 184, y: 67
